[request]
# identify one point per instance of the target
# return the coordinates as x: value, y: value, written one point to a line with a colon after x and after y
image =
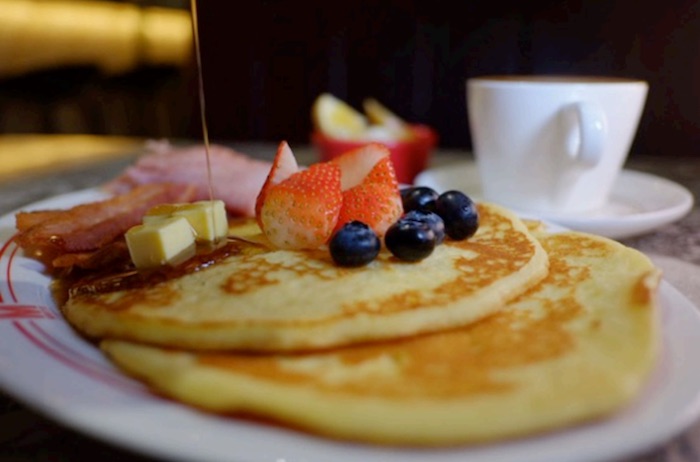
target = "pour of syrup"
x: 202, y: 103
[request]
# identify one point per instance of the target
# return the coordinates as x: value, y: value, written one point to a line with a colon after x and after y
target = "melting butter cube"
x: 160, y: 242
x: 207, y: 218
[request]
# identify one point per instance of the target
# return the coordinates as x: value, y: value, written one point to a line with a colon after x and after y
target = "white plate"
x: 639, y: 202
x: 47, y: 366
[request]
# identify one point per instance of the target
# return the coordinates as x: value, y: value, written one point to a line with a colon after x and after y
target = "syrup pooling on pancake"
x: 298, y: 300
x: 577, y: 346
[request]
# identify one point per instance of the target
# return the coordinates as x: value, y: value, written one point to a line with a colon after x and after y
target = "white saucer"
x: 639, y: 203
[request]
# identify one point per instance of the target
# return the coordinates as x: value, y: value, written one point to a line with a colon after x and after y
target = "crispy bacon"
x: 236, y: 177
x: 26, y: 220
x: 66, y: 237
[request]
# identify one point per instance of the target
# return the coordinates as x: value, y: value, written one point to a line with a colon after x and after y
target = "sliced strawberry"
x: 376, y: 205
x: 357, y: 163
x: 283, y: 166
x: 383, y: 173
x: 301, y: 211
x: 376, y: 201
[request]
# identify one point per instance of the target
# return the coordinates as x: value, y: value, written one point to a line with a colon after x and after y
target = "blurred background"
x: 128, y: 68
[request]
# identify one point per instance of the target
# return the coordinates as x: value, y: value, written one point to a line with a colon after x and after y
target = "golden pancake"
x: 261, y: 299
x: 578, y: 346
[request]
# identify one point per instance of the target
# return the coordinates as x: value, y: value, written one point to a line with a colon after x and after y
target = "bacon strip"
x: 26, y: 220
x: 86, y: 228
x: 236, y: 177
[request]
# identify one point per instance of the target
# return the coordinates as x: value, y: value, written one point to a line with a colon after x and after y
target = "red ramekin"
x: 410, y: 157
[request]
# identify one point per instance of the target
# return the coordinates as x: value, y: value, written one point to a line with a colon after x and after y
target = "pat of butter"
x: 165, y: 241
x: 207, y: 218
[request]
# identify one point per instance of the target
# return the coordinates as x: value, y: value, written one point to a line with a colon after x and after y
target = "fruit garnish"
x: 375, y: 201
x: 354, y: 244
x: 375, y: 204
x: 418, y: 198
x: 357, y: 163
x: 428, y: 219
x: 301, y: 211
x: 459, y: 213
x: 283, y: 166
x: 370, y: 188
x: 410, y: 240
x: 457, y: 210
x: 383, y: 173
x: 432, y: 219
x: 334, y: 117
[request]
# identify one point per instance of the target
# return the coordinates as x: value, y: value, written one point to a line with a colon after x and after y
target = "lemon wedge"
x: 378, y: 114
x: 334, y: 117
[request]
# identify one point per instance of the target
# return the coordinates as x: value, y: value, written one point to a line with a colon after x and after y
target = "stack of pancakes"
x: 511, y: 332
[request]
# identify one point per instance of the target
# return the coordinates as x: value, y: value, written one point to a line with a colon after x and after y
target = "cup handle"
x: 586, y: 128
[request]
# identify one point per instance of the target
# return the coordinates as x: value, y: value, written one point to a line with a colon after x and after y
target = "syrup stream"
x: 202, y: 104
x: 202, y: 108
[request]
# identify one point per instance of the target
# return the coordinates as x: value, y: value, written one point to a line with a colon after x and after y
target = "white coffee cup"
x: 552, y: 144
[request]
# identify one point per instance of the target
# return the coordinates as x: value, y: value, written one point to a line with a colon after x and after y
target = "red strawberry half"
x: 356, y: 164
x: 284, y: 166
x: 375, y: 201
x: 301, y: 211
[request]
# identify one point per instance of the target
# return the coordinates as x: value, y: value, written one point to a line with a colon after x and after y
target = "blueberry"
x: 459, y: 213
x: 418, y: 198
x: 410, y: 240
x: 432, y: 219
x: 354, y: 244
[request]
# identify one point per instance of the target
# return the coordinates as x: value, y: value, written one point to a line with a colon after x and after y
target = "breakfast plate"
x: 47, y: 366
x: 639, y: 203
